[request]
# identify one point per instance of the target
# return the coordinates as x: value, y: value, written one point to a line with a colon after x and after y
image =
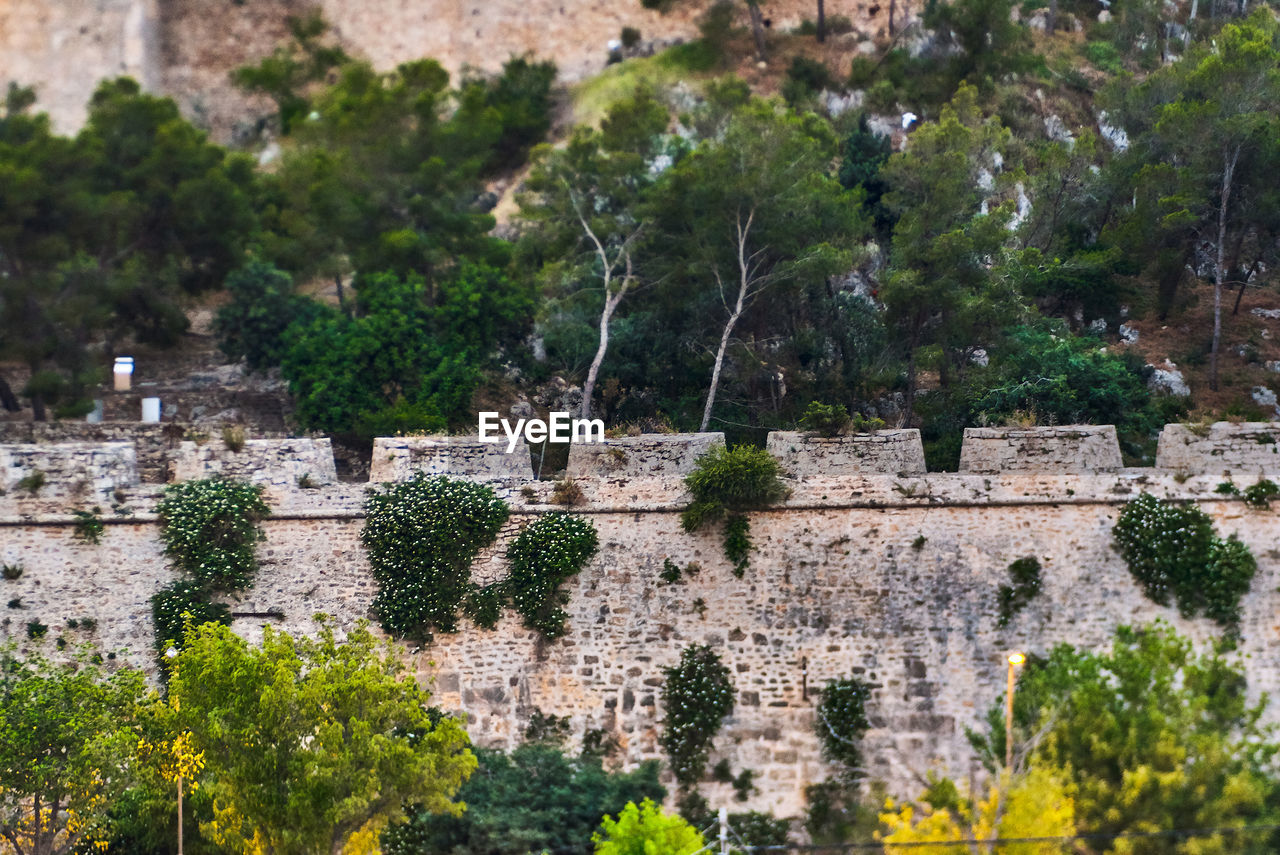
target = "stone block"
x: 398, y: 458
x: 890, y: 452
x: 1069, y: 448
x: 1249, y: 448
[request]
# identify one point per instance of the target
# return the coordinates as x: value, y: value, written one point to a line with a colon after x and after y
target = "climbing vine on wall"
x: 841, y: 723
x: 697, y: 696
x: 422, y: 536
x: 548, y: 552
x: 1024, y: 585
x: 210, y: 529
x: 725, y: 483
x: 1174, y: 553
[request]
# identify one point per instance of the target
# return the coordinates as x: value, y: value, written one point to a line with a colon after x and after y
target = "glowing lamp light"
x: 1016, y: 658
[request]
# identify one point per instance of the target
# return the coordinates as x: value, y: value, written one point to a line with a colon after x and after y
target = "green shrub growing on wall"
x: 171, y: 606
x: 88, y: 525
x: 841, y: 722
x: 422, y: 536
x: 697, y: 696
x: 1174, y: 553
x: 548, y: 552
x: 726, y: 482
x: 210, y: 531
x: 1024, y: 578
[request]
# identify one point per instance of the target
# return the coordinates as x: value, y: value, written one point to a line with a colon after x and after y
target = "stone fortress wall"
x: 872, y: 567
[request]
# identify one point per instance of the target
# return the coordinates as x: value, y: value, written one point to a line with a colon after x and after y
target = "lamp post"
x: 172, y: 655
x: 1016, y: 659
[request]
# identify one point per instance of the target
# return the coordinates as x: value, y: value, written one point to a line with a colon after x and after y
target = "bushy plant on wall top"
x: 422, y: 536
x: 725, y: 483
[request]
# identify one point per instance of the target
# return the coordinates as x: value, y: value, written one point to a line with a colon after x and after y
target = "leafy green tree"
x: 309, y: 740
x: 1034, y: 804
x: 263, y: 305
x: 645, y: 829
x: 534, y: 799
x: 990, y: 42
x: 1153, y: 736
x: 1214, y: 112
x: 865, y: 153
x: 67, y: 733
x: 939, y: 290
x: 750, y: 210
x: 292, y: 68
x: 103, y: 235
x: 583, y: 216
x: 385, y: 177
x: 412, y: 356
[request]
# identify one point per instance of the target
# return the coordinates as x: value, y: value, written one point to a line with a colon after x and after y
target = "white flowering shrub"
x: 548, y: 552
x: 1173, y: 552
x: 422, y: 536
x: 210, y: 529
x: 697, y: 696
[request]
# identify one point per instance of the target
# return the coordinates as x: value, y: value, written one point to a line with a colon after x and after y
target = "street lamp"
x: 172, y: 655
x: 1016, y: 660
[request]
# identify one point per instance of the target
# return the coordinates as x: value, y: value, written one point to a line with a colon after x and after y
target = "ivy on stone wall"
x: 841, y: 722
x: 548, y: 552
x: 1174, y: 553
x: 725, y: 483
x: 210, y: 530
x: 1024, y: 585
x: 422, y: 536
x: 697, y: 696
x: 171, y: 607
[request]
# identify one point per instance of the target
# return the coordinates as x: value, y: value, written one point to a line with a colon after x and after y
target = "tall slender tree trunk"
x: 1229, y: 160
x: 8, y: 400
x: 611, y: 301
x: 1052, y: 23
x: 1186, y: 36
x: 724, y: 344
x: 822, y: 21
x: 757, y: 29
x: 892, y: 4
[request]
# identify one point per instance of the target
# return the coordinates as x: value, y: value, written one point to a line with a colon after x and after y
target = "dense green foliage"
x: 548, y: 552
x: 102, y: 235
x: 645, y: 829
x: 696, y: 697
x: 1174, y: 553
x: 263, y: 305
x: 422, y: 536
x: 173, y: 606
x: 61, y: 725
x: 1024, y: 585
x: 841, y: 721
x: 726, y: 482
x: 1152, y: 736
x: 210, y: 530
x: 536, y: 798
x: 349, y: 738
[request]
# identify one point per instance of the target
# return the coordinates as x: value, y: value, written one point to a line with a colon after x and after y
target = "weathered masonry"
x: 872, y: 567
